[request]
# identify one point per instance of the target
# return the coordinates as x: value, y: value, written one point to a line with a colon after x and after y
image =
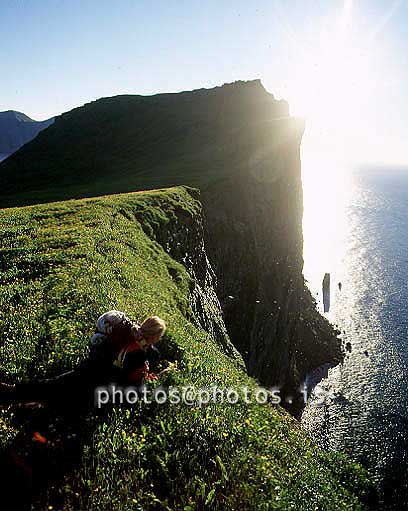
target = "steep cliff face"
x: 182, y: 236
x: 254, y: 234
x: 236, y: 143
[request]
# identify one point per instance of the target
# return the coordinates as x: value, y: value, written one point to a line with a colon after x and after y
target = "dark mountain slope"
x: 139, y: 142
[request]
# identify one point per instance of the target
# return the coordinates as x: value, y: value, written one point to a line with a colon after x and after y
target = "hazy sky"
x: 341, y: 63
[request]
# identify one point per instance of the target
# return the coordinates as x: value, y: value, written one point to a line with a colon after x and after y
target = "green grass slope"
x: 62, y: 264
x: 128, y: 143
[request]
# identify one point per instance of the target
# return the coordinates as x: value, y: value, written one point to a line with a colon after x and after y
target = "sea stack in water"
x: 326, y: 292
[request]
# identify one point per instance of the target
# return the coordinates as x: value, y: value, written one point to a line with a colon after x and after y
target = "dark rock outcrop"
x: 255, y: 242
x: 181, y: 234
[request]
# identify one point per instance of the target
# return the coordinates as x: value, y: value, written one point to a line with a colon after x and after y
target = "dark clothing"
x: 29, y: 465
x: 79, y: 384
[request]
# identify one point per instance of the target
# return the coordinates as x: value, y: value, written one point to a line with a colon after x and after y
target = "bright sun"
x: 329, y: 73
x: 333, y: 75
x: 332, y: 84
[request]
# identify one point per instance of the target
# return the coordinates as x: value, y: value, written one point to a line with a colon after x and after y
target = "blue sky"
x: 58, y: 54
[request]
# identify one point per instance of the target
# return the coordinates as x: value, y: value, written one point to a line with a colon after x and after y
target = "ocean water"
x: 356, y: 228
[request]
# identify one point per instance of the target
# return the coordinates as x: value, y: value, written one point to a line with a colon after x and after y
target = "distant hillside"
x: 16, y: 129
x: 125, y: 143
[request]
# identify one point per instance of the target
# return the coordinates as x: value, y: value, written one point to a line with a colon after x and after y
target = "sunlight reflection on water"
x: 326, y: 191
x: 355, y: 231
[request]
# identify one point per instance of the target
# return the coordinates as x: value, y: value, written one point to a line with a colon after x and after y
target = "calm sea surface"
x: 356, y: 228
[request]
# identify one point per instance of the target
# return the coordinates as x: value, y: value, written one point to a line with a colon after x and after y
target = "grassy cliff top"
x: 132, y: 142
x: 62, y: 264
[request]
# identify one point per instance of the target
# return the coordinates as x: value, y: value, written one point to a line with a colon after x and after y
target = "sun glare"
x: 333, y: 76
x: 331, y: 79
x: 327, y: 192
x: 332, y: 82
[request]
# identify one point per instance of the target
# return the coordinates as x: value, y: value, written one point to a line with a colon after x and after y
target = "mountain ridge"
x: 119, y: 144
x: 16, y: 129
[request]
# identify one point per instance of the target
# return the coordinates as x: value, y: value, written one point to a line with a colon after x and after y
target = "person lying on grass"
x: 121, y: 352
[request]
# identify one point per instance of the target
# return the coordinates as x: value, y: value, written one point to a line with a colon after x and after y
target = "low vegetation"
x: 62, y: 264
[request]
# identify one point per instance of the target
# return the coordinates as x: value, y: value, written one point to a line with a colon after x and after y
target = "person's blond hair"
x: 152, y: 327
